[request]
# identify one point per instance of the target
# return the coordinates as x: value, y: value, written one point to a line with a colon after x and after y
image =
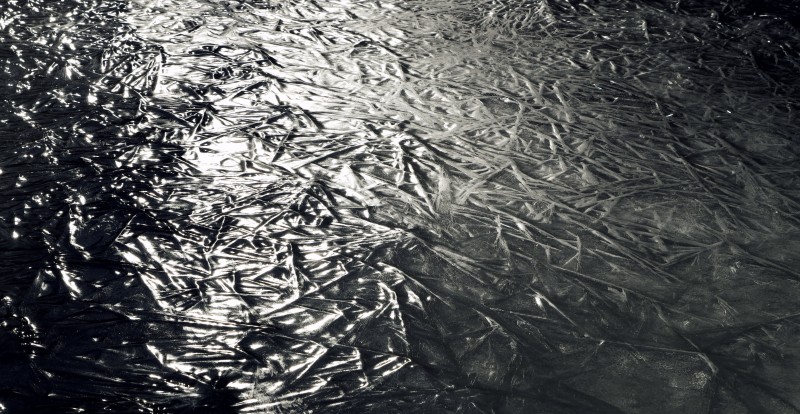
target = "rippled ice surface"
x: 399, y: 206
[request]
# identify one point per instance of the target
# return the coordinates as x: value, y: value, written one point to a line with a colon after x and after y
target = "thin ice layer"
x: 513, y: 206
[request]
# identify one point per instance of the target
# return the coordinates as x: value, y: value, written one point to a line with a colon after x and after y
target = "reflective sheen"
x: 351, y: 206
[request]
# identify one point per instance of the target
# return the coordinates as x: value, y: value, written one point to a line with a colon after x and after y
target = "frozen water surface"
x: 541, y: 206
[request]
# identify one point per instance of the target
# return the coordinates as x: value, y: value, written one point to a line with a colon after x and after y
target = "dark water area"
x: 516, y: 206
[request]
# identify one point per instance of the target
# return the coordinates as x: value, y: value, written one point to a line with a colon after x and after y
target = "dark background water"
x: 508, y: 207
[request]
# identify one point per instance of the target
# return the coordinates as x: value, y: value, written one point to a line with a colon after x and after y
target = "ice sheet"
x: 399, y: 206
